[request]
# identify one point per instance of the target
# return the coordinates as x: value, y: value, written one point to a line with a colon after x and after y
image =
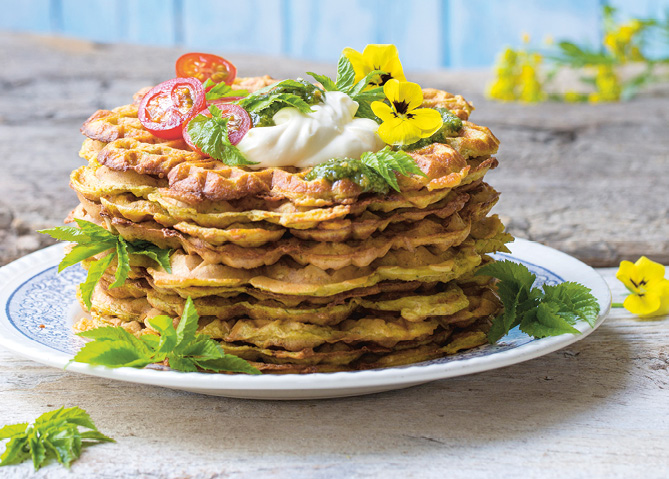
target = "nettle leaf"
x: 210, y: 134
x: 181, y: 363
x: 227, y: 363
x: 85, y: 251
x: 67, y: 233
x: 113, y: 354
x: 221, y: 90
x: 168, y: 336
x: 95, y: 271
x: 345, y: 74
x: 387, y: 162
x: 123, y: 263
x: 188, y: 325
x: 324, y: 80
x: 159, y: 255
x: 53, y: 435
x: 539, y: 312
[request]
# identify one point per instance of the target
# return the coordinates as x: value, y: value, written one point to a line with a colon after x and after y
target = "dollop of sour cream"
x: 298, y: 139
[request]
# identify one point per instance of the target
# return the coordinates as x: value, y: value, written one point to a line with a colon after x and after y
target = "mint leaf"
x: 95, y: 271
x: 210, y: 134
x: 386, y: 162
x: 221, y: 90
x: 53, y: 435
x: 345, y: 74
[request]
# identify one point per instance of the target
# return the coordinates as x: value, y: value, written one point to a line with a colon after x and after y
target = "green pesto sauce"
x: 307, y: 91
x: 451, y: 127
x: 355, y: 170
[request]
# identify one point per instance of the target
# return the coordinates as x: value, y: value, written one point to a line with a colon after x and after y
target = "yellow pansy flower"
x: 376, y: 57
x: 404, y: 122
x: 650, y: 290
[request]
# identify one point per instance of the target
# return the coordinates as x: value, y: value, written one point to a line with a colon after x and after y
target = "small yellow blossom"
x: 608, y: 85
x: 526, y: 38
x: 503, y: 88
x: 376, y: 57
x: 647, y: 285
x: 622, y: 41
x: 404, y: 122
x: 571, y: 96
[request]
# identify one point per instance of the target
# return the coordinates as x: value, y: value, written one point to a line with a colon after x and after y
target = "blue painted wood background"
x: 429, y: 33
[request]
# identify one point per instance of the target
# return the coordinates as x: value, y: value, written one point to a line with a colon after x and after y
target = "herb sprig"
x: 262, y: 104
x: 53, y: 435
x: 345, y: 83
x: 183, y: 349
x: 373, y: 172
x: 91, y: 240
x: 210, y: 134
x: 540, y: 312
x: 216, y: 91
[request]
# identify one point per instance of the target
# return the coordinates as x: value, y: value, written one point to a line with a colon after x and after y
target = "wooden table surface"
x: 590, y: 180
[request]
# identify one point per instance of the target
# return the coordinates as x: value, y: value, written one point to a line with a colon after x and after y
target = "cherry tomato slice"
x: 205, y: 65
x: 168, y: 106
x: 238, y: 125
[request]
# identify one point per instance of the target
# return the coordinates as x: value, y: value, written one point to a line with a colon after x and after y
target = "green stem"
x: 617, y: 305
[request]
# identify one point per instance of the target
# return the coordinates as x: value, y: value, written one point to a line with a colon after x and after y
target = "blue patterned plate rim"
x: 38, y: 307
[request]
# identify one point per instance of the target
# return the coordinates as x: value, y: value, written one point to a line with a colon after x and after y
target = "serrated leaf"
x: 67, y: 233
x: 150, y: 340
x: 12, y: 430
x: 122, y: 263
x: 16, y: 451
x: 181, y: 363
x: 509, y: 271
x: 221, y: 90
x: 364, y: 83
x: 159, y: 255
x: 188, y: 324
x: 324, y: 80
x: 95, y: 232
x: 113, y: 354
x: 509, y: 318
x: 545, y: 321
x: 574, y: 298
x: 84, y: 251
x: 202, y: 348
x: 95, y: 271
x: 210, y: 134
x: 345, y: 74
x: 37, y: 451
x: 73, y: 415
x: 168, y: 336
x: 95, y: 436
x: 227, y: 363
x: 386, y: 162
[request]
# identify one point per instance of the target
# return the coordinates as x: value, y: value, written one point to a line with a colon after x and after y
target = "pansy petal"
x: 644, y: 305
x: 626, y: 272
x: 383, y: 111
x: 360, y: 66
x: 649, y: 270
x: 410, y: 93
x: 428, y: 120
x: 399, y: 131
x: 386, y: 58
x: 392, y: 91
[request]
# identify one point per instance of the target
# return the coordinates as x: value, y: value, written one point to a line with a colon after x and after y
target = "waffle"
x: 297, y: 276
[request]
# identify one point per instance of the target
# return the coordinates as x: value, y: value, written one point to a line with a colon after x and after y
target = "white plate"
x: 40, y: 308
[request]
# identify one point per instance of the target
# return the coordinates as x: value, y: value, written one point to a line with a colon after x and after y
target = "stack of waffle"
x: 297, y: 276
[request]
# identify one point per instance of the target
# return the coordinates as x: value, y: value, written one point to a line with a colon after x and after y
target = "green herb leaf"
x: 326, y: 81
x: 53, y: 435
x: 210, y: 134
x: 539, y: 312
x: 85, y: 251
x: 67, y: 233
x: 387, y: 162
x: 95, y: 271
x: 185, y: 350
x: 159, y: 255
x: 345, y: 74
x: 452, y: 124
x: 221, y: 90
x: 123, y: 263
x: 364, y: 83
x: 264, y: 103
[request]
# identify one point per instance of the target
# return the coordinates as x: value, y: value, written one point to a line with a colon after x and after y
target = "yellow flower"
x: 572, y: 96
x: 404, y: 122
x: 608, y: 84
x: 376, y: 57
x: 650, y: 290
x: 526, y: 38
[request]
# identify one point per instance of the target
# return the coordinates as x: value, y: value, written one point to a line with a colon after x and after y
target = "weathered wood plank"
x: 597, y: 409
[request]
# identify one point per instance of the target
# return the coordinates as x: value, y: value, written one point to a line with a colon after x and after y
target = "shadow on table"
x: 571, y: 386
